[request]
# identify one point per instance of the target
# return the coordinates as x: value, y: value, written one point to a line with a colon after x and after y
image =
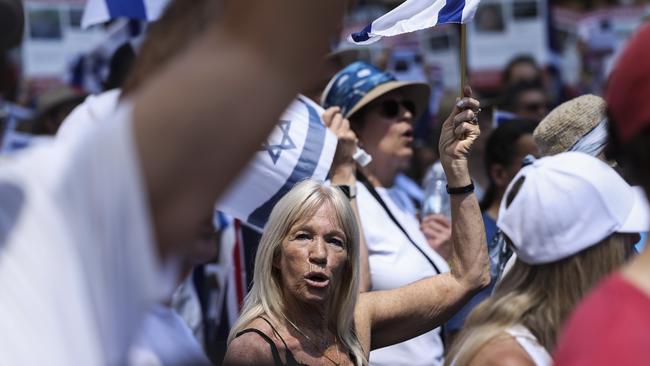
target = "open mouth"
x: 317, y: 279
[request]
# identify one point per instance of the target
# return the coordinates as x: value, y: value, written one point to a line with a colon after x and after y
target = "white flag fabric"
x: 299, y: 147
x: 101, y: 11
x: 414, y: 15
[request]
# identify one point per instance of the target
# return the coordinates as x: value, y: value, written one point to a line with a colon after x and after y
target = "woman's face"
x: 312, y: 258
x: 387, y: 129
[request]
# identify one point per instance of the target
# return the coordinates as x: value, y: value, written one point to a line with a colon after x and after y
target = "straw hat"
x: 360, y: 83
x: 569, y: 122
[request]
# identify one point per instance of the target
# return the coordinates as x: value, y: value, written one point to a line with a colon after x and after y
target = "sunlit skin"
x: 388, y: 140
x: 313, y: 258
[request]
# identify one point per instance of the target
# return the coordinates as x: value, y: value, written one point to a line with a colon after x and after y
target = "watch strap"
x: 461, y: 190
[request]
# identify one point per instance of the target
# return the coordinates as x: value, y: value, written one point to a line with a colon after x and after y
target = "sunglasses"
x: 534, y: 107
x: 390, y: 108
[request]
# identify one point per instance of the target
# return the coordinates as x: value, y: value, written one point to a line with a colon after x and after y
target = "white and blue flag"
x: 101, y: 11
x: 299, y: 147
x: 414, y: 15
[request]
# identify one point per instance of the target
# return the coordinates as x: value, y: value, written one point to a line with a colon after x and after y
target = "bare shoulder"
x: 503, y: 350
x: 251, y: 348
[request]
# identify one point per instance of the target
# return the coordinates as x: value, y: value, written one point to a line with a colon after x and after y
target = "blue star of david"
x: 286, y: 143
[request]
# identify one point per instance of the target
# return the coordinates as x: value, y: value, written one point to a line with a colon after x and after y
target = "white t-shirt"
x: 78, y: 265
x: 395, y: 262
x: 165, y: 339
x: 94, y: 110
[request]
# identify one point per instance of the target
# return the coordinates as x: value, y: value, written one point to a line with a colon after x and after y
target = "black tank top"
x: 291, y: 360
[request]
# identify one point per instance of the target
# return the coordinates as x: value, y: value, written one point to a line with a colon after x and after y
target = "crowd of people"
x: 540, y: 259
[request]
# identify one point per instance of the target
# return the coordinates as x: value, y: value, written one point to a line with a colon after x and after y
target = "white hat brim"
x: 638, y: 220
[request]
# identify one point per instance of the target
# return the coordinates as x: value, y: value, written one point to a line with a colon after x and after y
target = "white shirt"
x: 529, y: 343
x: 165, y: 339
x: 395, y: 262
x: 94, y: 110
x: 78, y: 265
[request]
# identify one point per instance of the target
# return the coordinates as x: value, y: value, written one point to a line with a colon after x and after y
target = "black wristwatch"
x: 461, y: 190
x: 349, y: 191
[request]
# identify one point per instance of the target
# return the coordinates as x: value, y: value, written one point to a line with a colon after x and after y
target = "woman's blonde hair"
x: 266, y: 296
x: 539, y: 297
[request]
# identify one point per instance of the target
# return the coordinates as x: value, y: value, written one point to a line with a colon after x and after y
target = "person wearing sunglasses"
x: 527, y: 99
x: 381, y: 111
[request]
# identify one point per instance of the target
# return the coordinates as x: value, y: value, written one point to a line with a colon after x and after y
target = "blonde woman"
x: 569, y: 219
x: 304, y: 306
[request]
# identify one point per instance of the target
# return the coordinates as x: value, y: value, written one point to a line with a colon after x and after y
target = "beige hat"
x: 568, y: 123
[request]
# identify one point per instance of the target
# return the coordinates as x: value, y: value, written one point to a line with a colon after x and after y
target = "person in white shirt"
x: 88, y: 228
x: 381, y: 111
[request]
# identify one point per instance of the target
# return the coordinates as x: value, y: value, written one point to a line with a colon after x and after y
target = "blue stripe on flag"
x: 364, y: 35
x: 133, y: 9
x: 452, y: 12
x: 305, y: 167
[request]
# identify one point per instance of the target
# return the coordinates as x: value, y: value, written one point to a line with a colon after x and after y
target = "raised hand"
x: 343, y: 163
x: 460, y: 130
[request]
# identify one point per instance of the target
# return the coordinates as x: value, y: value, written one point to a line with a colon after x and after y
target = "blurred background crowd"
x: 525, y: 58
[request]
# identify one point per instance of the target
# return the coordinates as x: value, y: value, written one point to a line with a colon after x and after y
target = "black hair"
x: 510, y: 97
x: 120, y: 65
x: 517, y: 60
x: 501, y: 148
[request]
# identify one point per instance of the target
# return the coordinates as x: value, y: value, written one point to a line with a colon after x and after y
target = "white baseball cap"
x: 567, y: 203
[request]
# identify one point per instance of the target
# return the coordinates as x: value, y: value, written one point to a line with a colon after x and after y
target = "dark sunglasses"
x: 390, y: 108
x: 534, y: 107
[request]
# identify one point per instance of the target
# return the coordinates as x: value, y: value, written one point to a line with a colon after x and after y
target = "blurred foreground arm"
x: 203, y: 116
x: 406, y: 312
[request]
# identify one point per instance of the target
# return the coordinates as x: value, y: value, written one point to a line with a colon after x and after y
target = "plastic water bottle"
x: 436, y: 199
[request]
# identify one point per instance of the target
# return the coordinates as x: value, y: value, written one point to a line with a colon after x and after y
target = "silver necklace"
x: 336, y: 343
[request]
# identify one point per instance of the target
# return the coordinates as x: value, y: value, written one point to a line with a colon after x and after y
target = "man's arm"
x: 204, y: 115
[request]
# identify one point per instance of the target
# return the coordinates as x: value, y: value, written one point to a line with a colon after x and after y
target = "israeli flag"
x: 414, y: 15
x: 299, y: 147
x: 101, y: 11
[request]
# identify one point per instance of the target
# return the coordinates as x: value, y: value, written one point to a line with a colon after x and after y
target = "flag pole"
x: 463, y: 58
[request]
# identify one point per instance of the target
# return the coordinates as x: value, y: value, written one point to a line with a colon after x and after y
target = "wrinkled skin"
x: 316, y: 245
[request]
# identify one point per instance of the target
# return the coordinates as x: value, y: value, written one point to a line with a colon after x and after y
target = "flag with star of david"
x: 299, y: 147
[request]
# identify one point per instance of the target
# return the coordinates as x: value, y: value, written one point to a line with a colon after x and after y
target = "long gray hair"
x: 266, y: 296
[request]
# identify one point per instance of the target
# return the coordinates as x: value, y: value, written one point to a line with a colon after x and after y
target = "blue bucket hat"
x: 359, y: 83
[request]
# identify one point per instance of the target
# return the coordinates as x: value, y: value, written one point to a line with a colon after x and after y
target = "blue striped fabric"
x: 102, y: 11
x: 414, y: 15
x: 133, y: 9
x: 452, y: 12
x: 305, y: 167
